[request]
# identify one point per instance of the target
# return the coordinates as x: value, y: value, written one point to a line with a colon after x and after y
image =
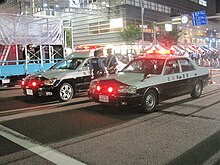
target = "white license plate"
x: 103, y: 98
x: 29, y: 91
x: 5, y: 81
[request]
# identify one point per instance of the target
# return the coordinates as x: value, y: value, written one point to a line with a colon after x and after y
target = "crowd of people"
x: 206, y: 59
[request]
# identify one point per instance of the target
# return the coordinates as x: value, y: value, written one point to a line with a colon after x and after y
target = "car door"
x: 83, y: 76
x: 188, y: 72
x: 173, y: 85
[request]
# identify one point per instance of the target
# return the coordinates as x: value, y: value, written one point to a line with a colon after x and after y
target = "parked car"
x: 146, y: 81
x: 62, y: 80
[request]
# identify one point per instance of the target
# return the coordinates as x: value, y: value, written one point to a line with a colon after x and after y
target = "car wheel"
x: 65, y: 92
x: 149, y: 101
x: 197, y: 90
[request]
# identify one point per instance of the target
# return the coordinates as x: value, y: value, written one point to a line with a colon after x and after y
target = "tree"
x: 171, y: 38
x: 68, y: 37
x: 130, y: 34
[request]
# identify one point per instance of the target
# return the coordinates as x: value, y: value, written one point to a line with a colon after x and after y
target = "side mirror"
x: 146, y: 75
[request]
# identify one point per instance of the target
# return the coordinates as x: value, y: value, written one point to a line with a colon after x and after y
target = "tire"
x: 149, y: 101
x: 65, y: 92
x: 197, y: 90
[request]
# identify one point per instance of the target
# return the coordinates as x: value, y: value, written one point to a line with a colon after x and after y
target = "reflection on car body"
x: 148, y: 80
x: 62, y: 80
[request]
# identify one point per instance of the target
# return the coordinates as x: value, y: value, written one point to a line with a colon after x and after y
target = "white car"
x: 148, y: 80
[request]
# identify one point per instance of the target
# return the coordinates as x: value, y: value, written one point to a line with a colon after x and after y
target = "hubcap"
x: 65, y: 92
x: 198, y: 89
x: 150, y: 101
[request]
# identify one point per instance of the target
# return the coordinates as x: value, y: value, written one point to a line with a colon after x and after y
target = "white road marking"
x: 33, y: 146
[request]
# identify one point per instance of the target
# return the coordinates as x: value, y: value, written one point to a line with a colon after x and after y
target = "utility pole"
x: 142, y: 23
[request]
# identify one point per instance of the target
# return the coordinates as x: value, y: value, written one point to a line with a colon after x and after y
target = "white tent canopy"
x: 177, y: 49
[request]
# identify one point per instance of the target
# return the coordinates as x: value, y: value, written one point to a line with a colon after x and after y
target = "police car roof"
x: 149, y: 56
x: 84, y: 54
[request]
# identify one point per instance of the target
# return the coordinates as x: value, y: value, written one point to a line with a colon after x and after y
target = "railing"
x: 23, y: 67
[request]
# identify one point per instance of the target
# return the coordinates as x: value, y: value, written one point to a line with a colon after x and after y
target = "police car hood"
x: 133, y: 79
x: 59, y: 74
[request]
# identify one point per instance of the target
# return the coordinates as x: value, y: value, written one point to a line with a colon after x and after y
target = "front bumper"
x: 116, y: 100
x: 41, y: 91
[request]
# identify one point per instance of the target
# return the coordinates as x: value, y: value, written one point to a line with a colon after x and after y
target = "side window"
x: 186, y: 65
x: 171, y: 67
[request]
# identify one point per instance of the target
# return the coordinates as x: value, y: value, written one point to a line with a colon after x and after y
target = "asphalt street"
x: 46, y: 131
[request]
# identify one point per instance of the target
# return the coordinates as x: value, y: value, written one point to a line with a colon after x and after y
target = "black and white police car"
x: 62, y: 80
x: 148, y: 80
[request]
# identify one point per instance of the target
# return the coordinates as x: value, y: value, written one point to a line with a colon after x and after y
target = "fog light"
x: 124, y: 103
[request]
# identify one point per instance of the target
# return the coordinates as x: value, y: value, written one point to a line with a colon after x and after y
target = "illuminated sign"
x: 116, y: 23
x: 168, y: 27
x: 203, y: 2
x: 74, y: 3
x: 199, y: 18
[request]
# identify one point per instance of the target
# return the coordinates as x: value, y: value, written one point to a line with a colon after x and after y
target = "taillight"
x: 22, y: 82
x: 34, y: 83
x: 98, y: 88
x: 110, y: 89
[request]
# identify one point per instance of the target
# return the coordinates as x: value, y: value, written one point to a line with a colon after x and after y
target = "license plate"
x: 29, y: 92
x: 5, y: 81
x: 103, y: 98
x: 49, y: 93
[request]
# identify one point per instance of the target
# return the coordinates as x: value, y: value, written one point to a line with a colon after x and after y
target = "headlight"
x: 49, y: 81
x: 127, y: 89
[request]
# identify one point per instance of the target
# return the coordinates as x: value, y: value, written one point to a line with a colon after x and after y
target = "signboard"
x: 116, y: 23
x: 74, y: 3
x: 199, y: 18
x: 168, y: 27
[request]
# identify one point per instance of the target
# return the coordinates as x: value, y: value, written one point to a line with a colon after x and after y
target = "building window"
x: 201, y: 2
x: 101, y: 27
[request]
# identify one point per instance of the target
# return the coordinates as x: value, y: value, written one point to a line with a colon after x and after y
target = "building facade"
x: 99, y: 22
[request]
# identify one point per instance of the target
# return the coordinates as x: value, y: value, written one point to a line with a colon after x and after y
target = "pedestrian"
x: 96, y: 65
x: 20, y: 54
x: 111, y: 62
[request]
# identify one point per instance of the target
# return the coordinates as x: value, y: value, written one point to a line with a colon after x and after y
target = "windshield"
x: 70, y: 64
x: 149, y: 66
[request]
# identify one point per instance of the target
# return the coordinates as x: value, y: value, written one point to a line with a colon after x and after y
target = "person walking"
x: 111, y: 62
x: 96, y: 65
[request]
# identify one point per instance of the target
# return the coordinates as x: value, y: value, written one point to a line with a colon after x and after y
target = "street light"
x: 154, y: 33
x: 142, y: 23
